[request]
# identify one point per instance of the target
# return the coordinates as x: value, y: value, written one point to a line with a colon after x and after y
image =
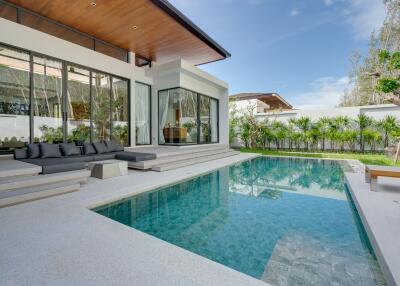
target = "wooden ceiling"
x: 162, y: 34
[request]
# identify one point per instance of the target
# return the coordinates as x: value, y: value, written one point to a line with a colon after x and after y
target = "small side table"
x: 108, y: 169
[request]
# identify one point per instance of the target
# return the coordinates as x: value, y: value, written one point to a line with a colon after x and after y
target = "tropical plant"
x: 304, y: 124
x: 388, y: 124
x: 363, y: 122
x: 323, y: 126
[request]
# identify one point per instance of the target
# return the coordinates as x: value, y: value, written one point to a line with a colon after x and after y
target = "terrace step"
x: 167, y: 151
x: 40, y: 192
x: 8, y: 184
x: 13, y: 168
x: 188, y: 162
x: 145, y: 165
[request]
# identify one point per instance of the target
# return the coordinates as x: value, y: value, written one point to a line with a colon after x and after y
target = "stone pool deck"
x: 59, y: 241
x: 380, y: 214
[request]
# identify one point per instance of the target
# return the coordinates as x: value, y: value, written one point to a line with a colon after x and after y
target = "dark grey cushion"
x: 33, y: 150
x: 113, y: 146
x: 104, y: 156
x: 69, y: 149
x: 89, y: 149
x: 100, y: 147
x: 49, y: 150
x: 81, y: 158
x: 20, y: 154
x: 134, y: 156
x: 56, y: 165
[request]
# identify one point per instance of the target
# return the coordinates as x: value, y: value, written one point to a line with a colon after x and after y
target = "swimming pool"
x: 286, y: 221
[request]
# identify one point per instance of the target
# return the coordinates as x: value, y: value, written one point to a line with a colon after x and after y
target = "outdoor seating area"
x: 55, y: 158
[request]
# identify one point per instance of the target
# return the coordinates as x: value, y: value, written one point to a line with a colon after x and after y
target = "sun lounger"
x: 372, y: 173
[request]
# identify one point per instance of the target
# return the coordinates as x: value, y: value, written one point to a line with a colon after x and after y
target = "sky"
x: 299, y: 49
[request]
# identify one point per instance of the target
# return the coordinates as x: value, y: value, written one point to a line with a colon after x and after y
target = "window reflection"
x: 47, y: 107
x: 14, y: 99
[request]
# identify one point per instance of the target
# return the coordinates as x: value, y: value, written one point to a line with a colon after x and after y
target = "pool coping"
x: 380, y: 216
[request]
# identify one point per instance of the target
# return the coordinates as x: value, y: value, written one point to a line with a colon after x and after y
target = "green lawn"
x: 370, y: 159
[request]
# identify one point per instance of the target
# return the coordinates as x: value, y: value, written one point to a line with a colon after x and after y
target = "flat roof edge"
x: 192, y: 27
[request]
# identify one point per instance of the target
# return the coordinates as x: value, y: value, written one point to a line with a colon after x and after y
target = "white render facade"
x: 377, y: 112
x: 174, y: 74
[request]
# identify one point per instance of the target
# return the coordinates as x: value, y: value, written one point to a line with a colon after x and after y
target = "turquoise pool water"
x: 286, y: 221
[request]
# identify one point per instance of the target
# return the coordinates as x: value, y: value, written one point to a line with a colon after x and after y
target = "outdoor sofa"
x: 64, y: 157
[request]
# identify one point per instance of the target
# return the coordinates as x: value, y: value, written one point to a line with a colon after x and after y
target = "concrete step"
x: 8, y: 184
x: 145, y: 165
x: 188, y: 162
x: 166, y: 151
x: 39, y: 192
x: 14, y: 168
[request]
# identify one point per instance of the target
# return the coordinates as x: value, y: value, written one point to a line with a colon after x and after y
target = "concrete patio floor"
x: 59, y: 241
x: 380, y: 214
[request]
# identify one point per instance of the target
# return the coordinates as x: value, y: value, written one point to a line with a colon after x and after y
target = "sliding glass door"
x: 78, y: 104
x: 186, y: 117
x: 47, y: 100
x: 101, y: 103
x: 69, y: 103
x: 142, y: 113
x: 120, y: 110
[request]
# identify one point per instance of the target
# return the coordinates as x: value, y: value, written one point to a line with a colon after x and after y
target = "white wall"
x: 376, y: 111
x: 168, y: 75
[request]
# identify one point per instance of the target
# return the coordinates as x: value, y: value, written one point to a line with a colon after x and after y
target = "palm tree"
x: 323, y: 126
x: 363, y: 122
x: 291, y: 131
x: 341, y: 123
x: 388, y: 125
x: 304, y: 124
x: 372, y: 137
x: 350, y: 137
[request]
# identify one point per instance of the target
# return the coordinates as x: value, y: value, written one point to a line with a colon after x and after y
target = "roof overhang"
x: 268, y: 98
x: 153, y: 29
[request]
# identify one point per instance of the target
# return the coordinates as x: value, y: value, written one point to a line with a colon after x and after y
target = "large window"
x: 142, y: 113
x: 47, y: 100
x: 69, y: 102
x: 14, y: 98
x: 78, y: 104
x: 101, y: 103
x: 186, y: 117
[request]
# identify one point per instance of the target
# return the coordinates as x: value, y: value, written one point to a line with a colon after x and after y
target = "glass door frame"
x: 150, y: 113
x: 64, y: 81
x: 198, y: 120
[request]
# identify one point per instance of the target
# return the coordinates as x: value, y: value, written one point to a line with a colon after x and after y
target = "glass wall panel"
x: 178, y: 117
x: 214, y: 120
x: 120, y: 111
x: 78, y: 104
x: 142, y: 113
x: 205, y: 135
x: 47, y: 102
x: 14, y: 99
x: 101, y: 106
x: 180, y: 113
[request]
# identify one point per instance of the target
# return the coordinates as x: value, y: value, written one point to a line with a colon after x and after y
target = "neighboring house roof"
x: 272, y: 99
x: 152, y: 29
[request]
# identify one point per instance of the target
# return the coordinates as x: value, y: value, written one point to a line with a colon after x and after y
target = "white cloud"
x: 365, y: 17
x: 328, y: 2
x: 294, y: 12
x: 325, y: 92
